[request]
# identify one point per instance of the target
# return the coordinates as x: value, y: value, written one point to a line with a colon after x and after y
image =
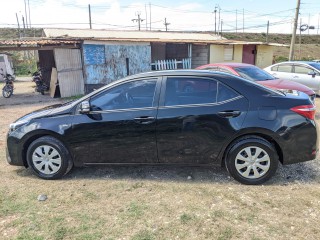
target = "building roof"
x: 37, y: 41
x: 144, y: 36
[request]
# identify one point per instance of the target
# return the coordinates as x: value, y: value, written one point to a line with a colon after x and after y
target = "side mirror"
x: 85, y: 107
x: 312, y: 73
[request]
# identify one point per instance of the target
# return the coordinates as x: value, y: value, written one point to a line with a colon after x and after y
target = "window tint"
x: 225, y: 93
x: 302, y: 70
x: 182, y: 91
x: 285, y: 68
x: 137, y: 94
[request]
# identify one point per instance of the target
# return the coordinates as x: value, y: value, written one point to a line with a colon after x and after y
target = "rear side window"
x: 189, y: 90
x: 225, y: 93
x: 284, y: 68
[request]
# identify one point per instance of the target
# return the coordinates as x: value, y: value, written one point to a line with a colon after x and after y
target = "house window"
x: 228, y: 52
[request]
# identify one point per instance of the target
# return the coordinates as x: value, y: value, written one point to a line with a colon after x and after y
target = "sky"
x: 235, y: 15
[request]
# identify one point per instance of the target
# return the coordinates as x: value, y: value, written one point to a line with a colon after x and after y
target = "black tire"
x: 260, y: 167
x: 7, y: 91
x: 53, y: 158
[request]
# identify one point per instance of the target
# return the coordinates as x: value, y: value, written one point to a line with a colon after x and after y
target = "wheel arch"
x: 28, y: 139
x: 263, y: 133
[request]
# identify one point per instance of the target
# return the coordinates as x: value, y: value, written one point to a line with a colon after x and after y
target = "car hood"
x: 52, y: 110
x: 285, y: 84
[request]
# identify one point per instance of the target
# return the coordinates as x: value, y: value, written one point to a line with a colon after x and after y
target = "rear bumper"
x: 302, y: 144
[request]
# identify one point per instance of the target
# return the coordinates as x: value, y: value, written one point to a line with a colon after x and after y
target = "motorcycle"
x: 41, y: 87
x: 7, y: 90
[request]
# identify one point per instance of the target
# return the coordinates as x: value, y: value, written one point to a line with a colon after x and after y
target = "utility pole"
x: 300, y: 38
x: 145, y: 9
x: 219, y: 19
x: 166, y: 24
x: 215, y: 19
x: 90, y: 24
x: 267, y: 37
x: 221, y: 28
x: 24, y: 27
x: 150, y: 14
x: 318, y: 24
x: 18, y: 25
x: 309, y: 23
x: 243, y: 21
x: 139, y: 20
x: 293, y: 38
x: 236, y: 20
x: 29, y: 14
x: 25, y: 12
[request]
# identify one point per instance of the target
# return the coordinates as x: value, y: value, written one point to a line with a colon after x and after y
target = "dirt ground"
x: 142, y: 203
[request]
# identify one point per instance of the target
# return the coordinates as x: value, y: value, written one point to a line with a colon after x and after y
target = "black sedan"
x: 150, y: 119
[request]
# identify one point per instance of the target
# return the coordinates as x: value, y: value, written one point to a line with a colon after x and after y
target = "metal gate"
x: 69, y: 68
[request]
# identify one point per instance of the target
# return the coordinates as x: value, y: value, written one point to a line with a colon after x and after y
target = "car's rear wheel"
x: 49, y: 158
x: 252, y: 160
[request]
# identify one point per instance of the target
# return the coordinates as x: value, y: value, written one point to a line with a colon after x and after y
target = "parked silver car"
x: 304, y: 72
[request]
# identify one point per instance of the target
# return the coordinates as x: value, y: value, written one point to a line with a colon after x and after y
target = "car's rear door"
x: 283, y: 71
x: 193, y: 126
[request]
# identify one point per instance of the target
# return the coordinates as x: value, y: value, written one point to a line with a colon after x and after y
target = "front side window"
x: 136, y: 94
x: 190, y: 90
x: 302, y: 70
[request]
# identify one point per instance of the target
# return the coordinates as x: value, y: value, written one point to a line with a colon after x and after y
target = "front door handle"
x: 229, y: 114
x: 144, y: 119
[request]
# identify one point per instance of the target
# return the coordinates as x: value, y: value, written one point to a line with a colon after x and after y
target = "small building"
x: 86, y: 59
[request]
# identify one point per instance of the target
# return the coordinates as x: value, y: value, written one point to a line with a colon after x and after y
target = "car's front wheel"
x: 49, y: 158
x: 252, y: 160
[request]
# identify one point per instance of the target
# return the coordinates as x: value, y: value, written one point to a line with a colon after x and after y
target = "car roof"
x: 303, y: 62
x: 190, y: 72
x: 228, y: 64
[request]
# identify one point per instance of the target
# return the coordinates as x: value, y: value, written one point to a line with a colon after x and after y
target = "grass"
x: 121, y: 203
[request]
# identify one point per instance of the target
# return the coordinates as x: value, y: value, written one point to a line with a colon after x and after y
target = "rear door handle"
x: 229, y: 114
x: 144, y: 119
x: 295, y: 76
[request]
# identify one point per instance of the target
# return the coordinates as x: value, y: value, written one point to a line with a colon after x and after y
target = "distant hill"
x: 273, y: 38
x: 12, y: 33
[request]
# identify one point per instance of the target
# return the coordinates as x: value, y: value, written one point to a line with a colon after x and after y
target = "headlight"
x: 290, y: 91
x: 16, y: 125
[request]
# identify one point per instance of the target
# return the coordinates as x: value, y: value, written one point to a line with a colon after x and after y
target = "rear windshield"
x: 254, y: 74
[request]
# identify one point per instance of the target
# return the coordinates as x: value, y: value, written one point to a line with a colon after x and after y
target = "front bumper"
x: 14, y: 152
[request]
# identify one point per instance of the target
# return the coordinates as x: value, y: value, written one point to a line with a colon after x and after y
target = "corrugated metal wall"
x: 106, y: 63
x: 70, y: 75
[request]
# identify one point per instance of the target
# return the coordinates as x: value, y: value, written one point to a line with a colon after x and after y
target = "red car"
x: 258, y: 75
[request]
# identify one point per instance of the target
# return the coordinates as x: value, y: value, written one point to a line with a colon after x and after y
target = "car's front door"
x: 193, y: 125
x: 302, y: 74
x: 120, y: 127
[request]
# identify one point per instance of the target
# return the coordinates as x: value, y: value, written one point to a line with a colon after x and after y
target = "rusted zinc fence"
x: 172, y: 64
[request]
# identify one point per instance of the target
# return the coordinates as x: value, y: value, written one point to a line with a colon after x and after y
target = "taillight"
x: 308, y: 111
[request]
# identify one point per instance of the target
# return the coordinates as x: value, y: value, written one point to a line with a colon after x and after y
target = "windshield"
x: 254, y: 73
x: 315, y: 65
